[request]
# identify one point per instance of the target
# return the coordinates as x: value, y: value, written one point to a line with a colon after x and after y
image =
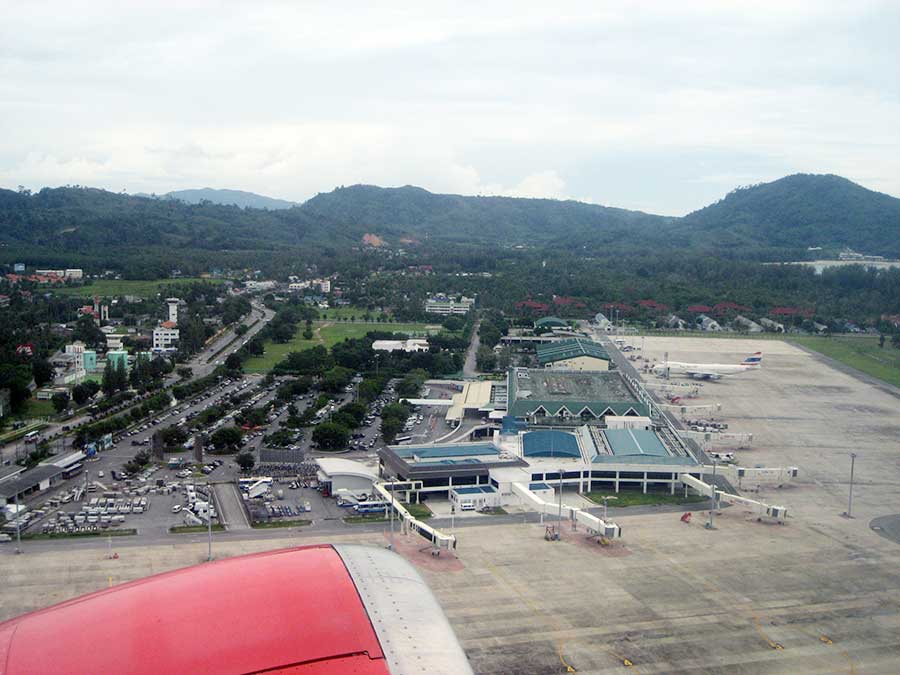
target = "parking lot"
x: 820, y: 594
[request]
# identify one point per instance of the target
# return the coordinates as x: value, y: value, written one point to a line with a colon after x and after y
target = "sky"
x: 658, y: 106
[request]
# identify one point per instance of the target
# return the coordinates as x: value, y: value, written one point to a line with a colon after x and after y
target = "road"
x: 198, y: 365
x: 202, y: 365
x: 231, y: 509
x: 470, y: 369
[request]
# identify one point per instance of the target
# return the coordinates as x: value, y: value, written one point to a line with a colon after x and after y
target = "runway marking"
x: 554, y: 621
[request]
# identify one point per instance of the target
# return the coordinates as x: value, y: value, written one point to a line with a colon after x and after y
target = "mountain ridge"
x: 775, y: 220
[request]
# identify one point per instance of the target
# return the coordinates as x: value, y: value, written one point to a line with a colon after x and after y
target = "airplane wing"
x: 307, y: 610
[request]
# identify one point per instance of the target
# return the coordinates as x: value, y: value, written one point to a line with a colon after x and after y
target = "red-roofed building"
x: 653, y: 305
x: 531, y: 305
x: 169, y: 324
x: 699, y: 309
x: 791, y: 311
x: 723, y: 307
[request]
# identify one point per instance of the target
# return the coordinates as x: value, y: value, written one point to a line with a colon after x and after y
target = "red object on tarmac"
x: 686, y: 518
x: 306, y: 610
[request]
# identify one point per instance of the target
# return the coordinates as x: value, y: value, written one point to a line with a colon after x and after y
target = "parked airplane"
x: 708, y: 371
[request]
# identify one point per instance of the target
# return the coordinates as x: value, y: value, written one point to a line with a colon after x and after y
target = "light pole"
x: 391, y: 545
x: 209, y: 504
x: 849, y: 513
x: 606, y: 498
x: 559, y: 514
x: 710, y: 525
x: 18, y: 526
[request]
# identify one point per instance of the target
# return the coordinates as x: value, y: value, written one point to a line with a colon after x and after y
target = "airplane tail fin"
x: 754, y: 359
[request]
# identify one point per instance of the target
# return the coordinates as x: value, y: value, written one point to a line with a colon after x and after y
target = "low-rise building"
x: 165, y: 337
x: 411, y: 345
x: 447, y: 305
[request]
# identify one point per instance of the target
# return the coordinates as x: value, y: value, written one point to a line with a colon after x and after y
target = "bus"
x: 32, y: 436
x: 371, y: 507
x: 402, y: 439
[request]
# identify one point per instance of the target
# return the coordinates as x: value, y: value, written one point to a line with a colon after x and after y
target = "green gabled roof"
x: 531, y: 389
x: 550, y: 321
x: 570, y: 349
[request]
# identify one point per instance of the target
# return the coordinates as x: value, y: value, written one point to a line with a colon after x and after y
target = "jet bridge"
x: 761, y: 509
x: 596, y: 526
x: 439, y: 540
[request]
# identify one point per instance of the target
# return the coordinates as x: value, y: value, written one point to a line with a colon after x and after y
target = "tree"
x: 60, y: 401
x: 81, y: 393
x: 330, y: 436
x: 185, y: 373
x: 42, y: 371
x: 226, y: 439
x: 246, y: 461
x: 241, y: 330
x: 412, y: 383
x: 173, y: 436
x: 233, y: 362
x: 109, y: 379
x: 485, y: 359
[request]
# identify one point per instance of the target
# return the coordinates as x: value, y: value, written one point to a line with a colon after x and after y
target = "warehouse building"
x: 573, y: 354
x: 336, y: 474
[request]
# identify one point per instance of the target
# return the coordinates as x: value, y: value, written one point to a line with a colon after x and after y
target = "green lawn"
x: 117, y: 287
x: 418, y: 511
x: 624, y: 499
x: 195, y: 529
x: 100, y: 533
x: 366, y: 518
x: 862, y: 353
x: 347, y: 312
x: 328, y: 333
x: 280, y: 523
x: 36, y: 408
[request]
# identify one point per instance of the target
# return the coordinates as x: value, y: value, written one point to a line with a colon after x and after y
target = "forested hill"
x: 802, y: 210
x: 227, y: 197
x: 416, y: 213
x: 773, y: 221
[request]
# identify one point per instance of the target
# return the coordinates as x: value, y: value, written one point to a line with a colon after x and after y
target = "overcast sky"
x: 662, y: 107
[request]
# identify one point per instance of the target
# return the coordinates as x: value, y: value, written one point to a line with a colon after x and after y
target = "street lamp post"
x: 559, y: 514
x: 209, y: 504
x: 18, y: 526
x: 710, y: 525
x: 605, y: 499
x: 849, y: 513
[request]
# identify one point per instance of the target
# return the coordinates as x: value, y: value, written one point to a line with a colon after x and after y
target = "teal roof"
x: 570, y: 349
x: 443, y: 451
x: 550, y: 321
x: 550, y: 444
x: 670, y: 460
x: 474, y: 490
x: 634, y: 442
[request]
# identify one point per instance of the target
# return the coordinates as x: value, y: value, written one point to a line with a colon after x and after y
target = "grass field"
x: 280, y: 523
x: 347, y: 312
x: 419, y: 511
x: 117, y: 287
x: 624, y: 499
x: 112, y: 532
x: 327, y: 333
x: 36, y: 408
x: 862, y: 353
x: 195, y: 529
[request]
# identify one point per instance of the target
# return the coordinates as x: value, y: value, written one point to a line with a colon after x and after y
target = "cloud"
x: 644, y: 105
